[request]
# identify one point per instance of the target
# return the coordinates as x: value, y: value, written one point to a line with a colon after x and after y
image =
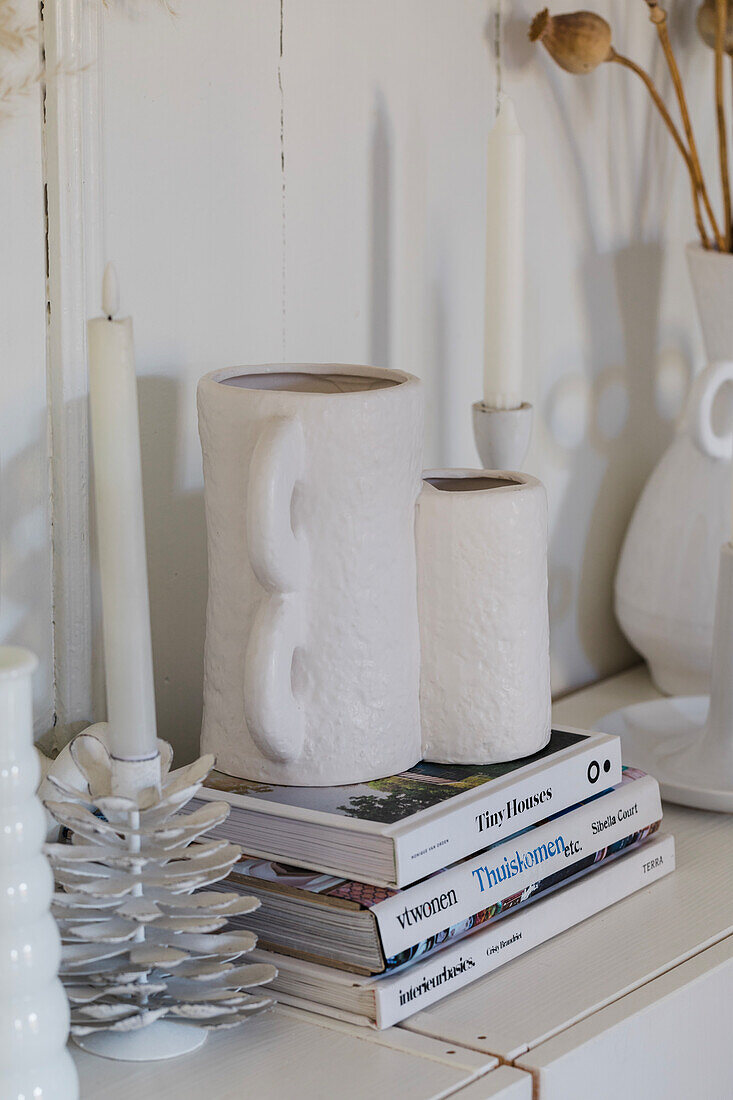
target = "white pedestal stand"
x: 687, y: 742
x: 160, y: 1040
x: 502, y: 435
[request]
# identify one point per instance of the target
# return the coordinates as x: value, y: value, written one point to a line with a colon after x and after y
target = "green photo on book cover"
x: 398, y: 796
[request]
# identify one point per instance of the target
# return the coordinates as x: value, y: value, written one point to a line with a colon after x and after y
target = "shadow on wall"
x: 176, y: 544
x: 25, y: 557
x: 624, y: 429
x: 618, y: 432
x: 416, y: 339
x: 380, y: 269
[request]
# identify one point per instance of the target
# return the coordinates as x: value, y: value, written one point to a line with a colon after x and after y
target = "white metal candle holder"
x: 686, y: 742
x: 502, y: 435
x: 146, y: 967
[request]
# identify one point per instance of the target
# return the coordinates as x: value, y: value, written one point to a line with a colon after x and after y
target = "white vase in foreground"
x: 484, y: 630
x: 312, y: 663
x: 34, y: 1013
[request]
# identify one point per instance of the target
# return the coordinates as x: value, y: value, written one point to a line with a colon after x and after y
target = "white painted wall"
x: 25, y: 531
x: 304, y: 179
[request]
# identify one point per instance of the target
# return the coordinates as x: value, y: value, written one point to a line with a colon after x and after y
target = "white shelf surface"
x: 567, y: 1013
x: 669, y: 1039
x: 287, y: 1053
x: 568, y: 978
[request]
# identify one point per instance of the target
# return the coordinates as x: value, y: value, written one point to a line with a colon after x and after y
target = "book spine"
x: 531, y: 894
x: 500, y: 814
x: 456, y: 894
x: 400, y: 995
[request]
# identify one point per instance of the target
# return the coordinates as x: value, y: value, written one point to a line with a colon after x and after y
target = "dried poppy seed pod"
x: 578, y: 42
x: 707, y: 22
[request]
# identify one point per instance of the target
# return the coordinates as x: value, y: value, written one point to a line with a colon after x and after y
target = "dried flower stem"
x: 658, y: 16
x: 721, y: 8
x: 659, y: 103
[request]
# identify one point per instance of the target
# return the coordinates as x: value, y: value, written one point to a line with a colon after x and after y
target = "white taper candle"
x: 121, y: 530
x: 503, y: 314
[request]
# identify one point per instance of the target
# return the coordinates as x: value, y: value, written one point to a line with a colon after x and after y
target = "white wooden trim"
x: 73, y: 172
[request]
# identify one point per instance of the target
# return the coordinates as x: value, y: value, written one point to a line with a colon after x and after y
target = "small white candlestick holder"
x: 686, y: 742
x: 146, y: 967
x: 502, y: 435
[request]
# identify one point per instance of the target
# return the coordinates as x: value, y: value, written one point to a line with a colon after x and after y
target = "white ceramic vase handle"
x: 274, y: 719
x: 704, y: 391
x: 275, y: 468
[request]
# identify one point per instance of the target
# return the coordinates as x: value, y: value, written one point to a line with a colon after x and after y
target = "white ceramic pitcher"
x: 667, y: 572
x: 312, y: 661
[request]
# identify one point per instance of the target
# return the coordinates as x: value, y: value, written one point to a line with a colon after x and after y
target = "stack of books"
x: 380, y: 898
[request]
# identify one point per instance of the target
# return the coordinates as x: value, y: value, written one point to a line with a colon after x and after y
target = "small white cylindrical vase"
x: 484, y: 630
x: 34, y: 1012
x: 312, y: 666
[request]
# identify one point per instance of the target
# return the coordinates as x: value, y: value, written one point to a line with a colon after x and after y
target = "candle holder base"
x: 160, y: 1040
x: 502, y: 435
x: 687, y: 742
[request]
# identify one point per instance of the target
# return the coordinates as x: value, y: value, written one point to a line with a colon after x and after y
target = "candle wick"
x: 110, y: 292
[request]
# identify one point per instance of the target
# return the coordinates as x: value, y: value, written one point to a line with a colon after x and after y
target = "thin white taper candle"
x: 503, y: 314
x: 121, y: 530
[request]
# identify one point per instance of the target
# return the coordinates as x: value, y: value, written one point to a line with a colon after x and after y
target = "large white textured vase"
x: 312, y: 662
x: 34, y: 1013
x: 484, y: 630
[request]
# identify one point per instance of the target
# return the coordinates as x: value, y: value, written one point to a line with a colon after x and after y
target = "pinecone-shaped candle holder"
x: 146, y: 967
x: 34, y: 1015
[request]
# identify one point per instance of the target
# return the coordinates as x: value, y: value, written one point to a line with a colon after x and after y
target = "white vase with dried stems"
x: 666, y: 581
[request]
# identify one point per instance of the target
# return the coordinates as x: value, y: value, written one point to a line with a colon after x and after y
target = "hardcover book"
x: 389, y: 998
x: 370, y: 929
x: 394, y: 831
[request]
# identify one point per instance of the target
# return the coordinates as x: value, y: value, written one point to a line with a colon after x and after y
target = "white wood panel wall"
x: 304, y: 179
x: 25, y: 529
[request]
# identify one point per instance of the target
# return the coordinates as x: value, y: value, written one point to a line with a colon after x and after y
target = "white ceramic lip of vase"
x: 511, y: 480
x: 358, y: 370
x: 695, y: 246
